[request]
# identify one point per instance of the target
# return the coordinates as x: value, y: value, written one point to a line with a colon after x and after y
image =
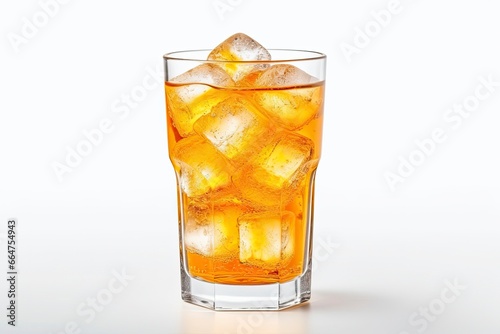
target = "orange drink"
x: 244, y: 137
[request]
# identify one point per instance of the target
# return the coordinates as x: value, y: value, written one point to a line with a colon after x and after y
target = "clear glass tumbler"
x: 244, y: 138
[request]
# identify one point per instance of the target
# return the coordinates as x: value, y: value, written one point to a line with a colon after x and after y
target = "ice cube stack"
x: 240, y: 155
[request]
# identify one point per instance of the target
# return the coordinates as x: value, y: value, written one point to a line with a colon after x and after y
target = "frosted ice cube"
x: 284, y: 75
x: 194, y: 95
x: 200, y: 167
x: 239, y: 47
x: 267, y: 239
x: 211, y: 230
x: 236, y: 129
x: 276, y: 171
x: 209, y: 74
x: 295, y: 106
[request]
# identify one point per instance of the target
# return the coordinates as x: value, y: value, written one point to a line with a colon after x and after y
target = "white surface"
x: 392, y: 251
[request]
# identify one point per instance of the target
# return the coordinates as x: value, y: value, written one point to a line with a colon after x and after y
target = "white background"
x: 393, y: 250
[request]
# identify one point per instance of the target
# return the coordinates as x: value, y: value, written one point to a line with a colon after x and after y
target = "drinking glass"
x: 244, y: 138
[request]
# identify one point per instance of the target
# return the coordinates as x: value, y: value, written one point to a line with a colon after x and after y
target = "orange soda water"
x: 245, y: 157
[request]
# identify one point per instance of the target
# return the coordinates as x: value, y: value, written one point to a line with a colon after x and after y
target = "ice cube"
x: 236, y: 128
x: 267, y: 239
x: 192, y: 95
x: 284, y: 75
x: 209, y: 74
x: 249, y: 79
x: 276, y: 171
x: 295, y: 106
x: 200, y: 167
x: 211, y: 230
x: 239, y: 47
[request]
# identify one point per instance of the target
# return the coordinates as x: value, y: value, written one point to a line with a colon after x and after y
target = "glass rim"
x: 313, y: 55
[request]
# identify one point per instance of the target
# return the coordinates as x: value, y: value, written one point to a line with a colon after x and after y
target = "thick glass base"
x: 225, y: 297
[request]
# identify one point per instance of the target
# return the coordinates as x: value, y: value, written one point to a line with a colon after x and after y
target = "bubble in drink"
x: 294, y: 107
x: 236, y: 128
x: 201, y: 167
x: 267, y: 238
x: 195, y: 97
x: 239, y: 47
